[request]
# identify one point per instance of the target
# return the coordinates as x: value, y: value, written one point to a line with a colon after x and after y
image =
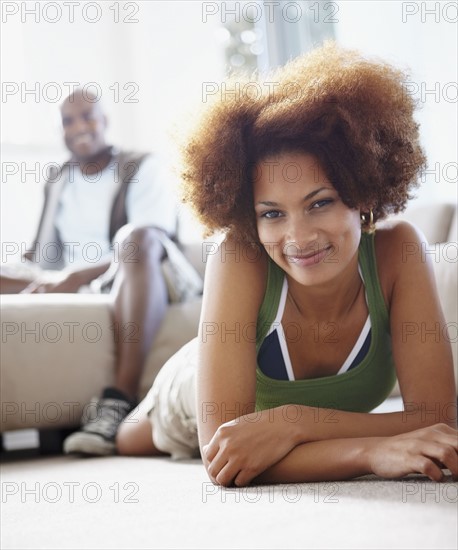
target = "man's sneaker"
x: 100, y: 425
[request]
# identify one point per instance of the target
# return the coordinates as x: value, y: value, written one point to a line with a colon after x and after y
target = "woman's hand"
x: 243, y: 448
x: 424, y: 451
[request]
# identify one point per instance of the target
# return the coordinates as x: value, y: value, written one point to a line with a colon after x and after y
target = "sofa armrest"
x: 58, y: 352
x: 435, y: 221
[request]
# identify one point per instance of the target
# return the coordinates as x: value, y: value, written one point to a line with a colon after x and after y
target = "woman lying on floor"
x: 306, y: 306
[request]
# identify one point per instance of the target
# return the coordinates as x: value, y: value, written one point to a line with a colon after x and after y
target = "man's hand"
x: 425, y: 451
x: 69, y: 283
x: 245, y: 447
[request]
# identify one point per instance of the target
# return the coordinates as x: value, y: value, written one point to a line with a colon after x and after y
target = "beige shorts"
x: 171, y: 405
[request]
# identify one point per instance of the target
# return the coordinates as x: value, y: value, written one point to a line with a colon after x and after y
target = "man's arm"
x: 69, y: 282
x: 86, y: 275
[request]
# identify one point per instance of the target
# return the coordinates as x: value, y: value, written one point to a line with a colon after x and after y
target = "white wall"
x: 406, y: 34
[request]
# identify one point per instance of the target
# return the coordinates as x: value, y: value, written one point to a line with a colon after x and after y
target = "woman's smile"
x: 307, y: 259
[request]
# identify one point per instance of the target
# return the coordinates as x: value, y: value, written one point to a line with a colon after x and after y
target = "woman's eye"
x: 271, y: 214
x: 321, y: 203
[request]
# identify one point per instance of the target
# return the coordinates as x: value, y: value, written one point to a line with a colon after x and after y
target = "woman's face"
x: 302, y: 223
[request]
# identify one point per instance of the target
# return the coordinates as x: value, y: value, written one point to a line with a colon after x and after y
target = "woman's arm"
x: 235, y: 283
x: 319, y: 424
x: 327, y: 452
x: 425, y: 451
x: 421, y: 346
x: 226, y: 376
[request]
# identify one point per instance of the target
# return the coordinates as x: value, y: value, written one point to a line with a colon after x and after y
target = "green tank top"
x: 360, y: 389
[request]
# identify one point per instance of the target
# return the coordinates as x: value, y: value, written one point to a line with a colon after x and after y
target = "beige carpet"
x: 122, y: 502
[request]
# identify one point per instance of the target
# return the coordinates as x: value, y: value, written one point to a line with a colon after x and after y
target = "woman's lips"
x: 308, y: 259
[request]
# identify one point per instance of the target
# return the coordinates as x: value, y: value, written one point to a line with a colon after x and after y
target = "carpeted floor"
x: 116, y: 502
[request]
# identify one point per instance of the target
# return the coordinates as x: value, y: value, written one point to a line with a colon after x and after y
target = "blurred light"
x: 248, y: 37
x: 237, y: 60
x: 256, y: 49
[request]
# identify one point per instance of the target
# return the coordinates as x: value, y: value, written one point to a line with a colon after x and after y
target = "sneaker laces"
x: 110, y: 413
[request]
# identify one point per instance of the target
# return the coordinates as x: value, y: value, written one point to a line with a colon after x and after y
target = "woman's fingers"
x: 426, y: 466
x: 227, y: 475
x: 224, y: 471
x: 445, y: 455
x: 437, y: 449
x: 244, y: 477
x: 217, y: 464
x: 434, y: 450
x: 211, y: 449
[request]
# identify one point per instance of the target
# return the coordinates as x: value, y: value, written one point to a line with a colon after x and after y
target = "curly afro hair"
x: 353, y: 114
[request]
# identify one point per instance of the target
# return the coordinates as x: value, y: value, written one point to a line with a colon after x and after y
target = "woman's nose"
x: 302, y: 233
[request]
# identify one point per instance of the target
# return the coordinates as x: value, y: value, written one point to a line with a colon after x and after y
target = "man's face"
x: 84, y: 127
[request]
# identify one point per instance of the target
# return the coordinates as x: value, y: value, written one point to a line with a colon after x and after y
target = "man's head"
x: 84, y: 125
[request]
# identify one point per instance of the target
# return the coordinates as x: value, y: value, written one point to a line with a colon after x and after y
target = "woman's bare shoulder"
x: 235, y: 278
x: 397, y: 243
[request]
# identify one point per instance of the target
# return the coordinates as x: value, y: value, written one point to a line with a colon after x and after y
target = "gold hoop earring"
x: 368, y: 227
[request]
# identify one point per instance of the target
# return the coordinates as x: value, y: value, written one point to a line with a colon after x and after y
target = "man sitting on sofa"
x: 105, y: 227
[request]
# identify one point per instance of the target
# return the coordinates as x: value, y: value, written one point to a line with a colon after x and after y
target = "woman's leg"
x: 135, y: 437
x: 170, y: 417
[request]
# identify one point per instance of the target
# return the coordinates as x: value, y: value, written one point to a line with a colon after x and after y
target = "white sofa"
x: 58, y: 350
